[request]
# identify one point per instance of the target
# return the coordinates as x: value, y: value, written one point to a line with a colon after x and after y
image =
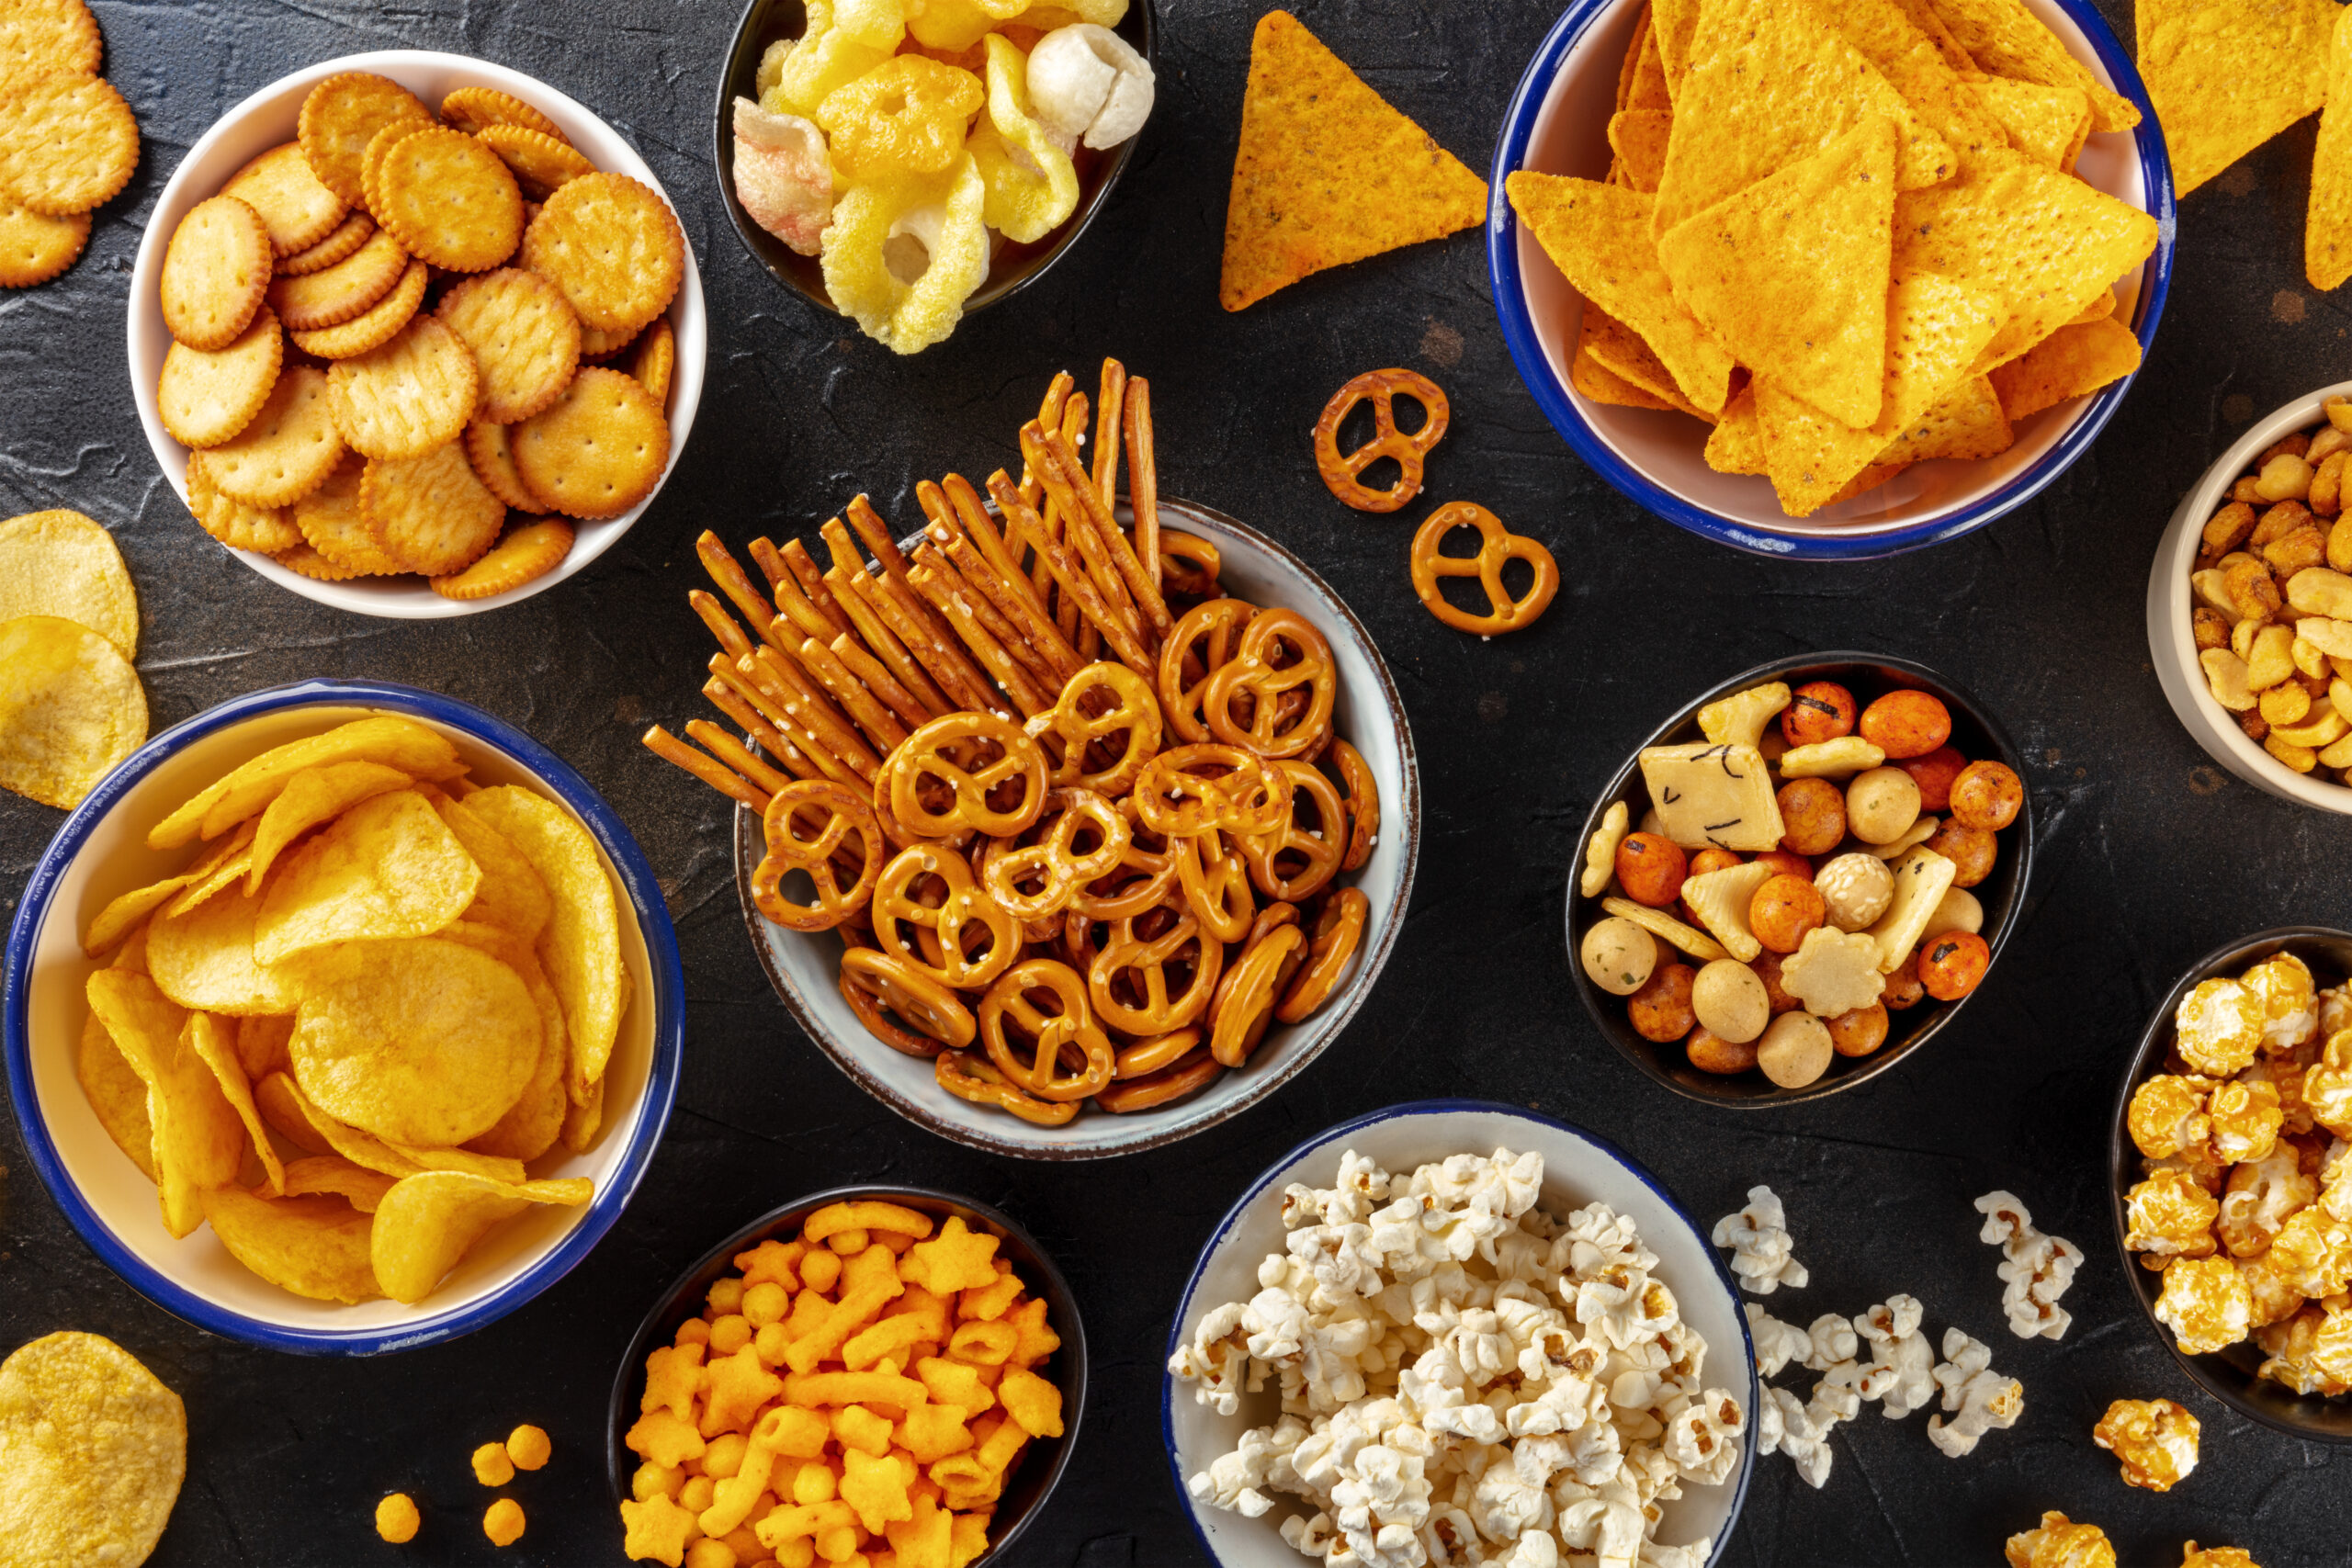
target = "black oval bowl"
x: 1012, y: 269
x: 1974, y: 731
x: 1041, y: 1464
x: 2228, y: 1375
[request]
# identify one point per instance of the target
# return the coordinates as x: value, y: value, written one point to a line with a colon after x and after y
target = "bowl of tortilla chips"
x: 1830, y: 280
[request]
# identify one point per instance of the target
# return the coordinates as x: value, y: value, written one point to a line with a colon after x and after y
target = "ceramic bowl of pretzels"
x: 1077, y: 821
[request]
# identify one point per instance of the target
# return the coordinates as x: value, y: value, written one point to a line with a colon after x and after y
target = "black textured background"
x: 2150, y: 856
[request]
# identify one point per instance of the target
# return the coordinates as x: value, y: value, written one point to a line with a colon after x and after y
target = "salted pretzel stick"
x: 938, y: 653
x: 1143, y: 478
x: 736, y: 755
x: 808, y: 745
x: 880, y: 727
x: 771, y: 739
x: 971, y: 517
x: 1049, y: 414
x: 983, y: 608
x: 1063, y: 461
x: 1070, y: 574
x: 800, y: 617
x: 812, y: 583
x: 670, y: 748
x: 763, y: 554
x: 1106, y: 432
x: 993, y: 564
x: 776, y: 672
x: 722, y: 625
x: 860, y: 662
x: 957, y: 610
x: 1052, y: 660
x: 728, y: 574
x: 875, y: 534
x: 1064, y: 611
x: 1065, y: 487
x: 886, y: 644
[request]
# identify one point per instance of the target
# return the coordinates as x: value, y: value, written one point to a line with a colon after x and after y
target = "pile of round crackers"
x: 390, y: 332
x: 67, y: 141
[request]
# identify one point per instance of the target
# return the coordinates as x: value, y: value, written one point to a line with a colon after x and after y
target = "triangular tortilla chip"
x: 1770, y: 84
x: 1327, y: 171
x: 1638, y: 138
x: 2065, y: 364
x: 2007, y: 39
x: 1966, y: 421
x: 1646, y: 88
x: 2102, y: 306
x: 1869, y: 479
x: 2048, y: 125
x: 1791, y: 273
x: 2225, y: 79
x: 1736, y: 446
x: 2328, y: 227
x: 1619, y: 350
x: 1601, y: 385
x: 1633, y: 61
x: 1935, y: 329
x: 1889, y: 38
x: 1674, y: 21
x: 1599, y: 236
x: 2045, y: 243
x: 1925, y: 16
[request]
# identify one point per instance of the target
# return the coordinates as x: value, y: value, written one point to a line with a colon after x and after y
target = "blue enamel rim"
x: 1331, y: 1136
x: 1559, y: 404
x: 653, y: 921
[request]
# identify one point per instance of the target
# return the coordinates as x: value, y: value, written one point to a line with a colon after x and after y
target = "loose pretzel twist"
x: 1053, y: 863
x: 1193, y: 789
x: 925, y: 754
x: 1070, y: 1028
x: 941, y: 929
x: 1245, y: 997
x: 1497, y: 545
x: 971, y: 1077
x: 1276, y: 726
x: 1202, y: 643
x: 1343, y: 474
x: 874, y: 983
x: 1294, y: 861
x: 1142, y: 963
x: 1126, y: 706
x: 1338, y: 932
x: 838, y: 814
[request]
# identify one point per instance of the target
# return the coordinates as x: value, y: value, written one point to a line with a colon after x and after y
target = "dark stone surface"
x: 2150, y: 856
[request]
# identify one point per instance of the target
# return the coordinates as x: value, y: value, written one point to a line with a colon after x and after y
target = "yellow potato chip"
x: 261, y: 1044
x: 1599, y: 236
x: 282, y: 1106
x: 224, y: 864
x: 1770, y: 84
x: 1966, y: 421
x: 580, y: 948
x: 311, y: 797
x: 512, y: 895
x: 71, y: 707
x: 2048, y: 125
x: 355, y: 1184
x: 291, y: 1111
x: 315, y: 1246
x: 93, y: 1449
x: 424, y: 1042
x: 2007, y: 39
x: 117, y: 1096
x: 493, y: 1168
x: 1638, y: 137
x: 62, y: 564
x: 1791, y: 273
x: 2328, y: 227
x: 205, y: 959
x: 426, y: 1222
x: 1327, y: 171
x: 387, y: 867
x: 214, y: 1041
x: 2067, y: 364
x: 583, y: 1121
x: 199, y: 1143
x: 396, y: 742
x: 125, y: 912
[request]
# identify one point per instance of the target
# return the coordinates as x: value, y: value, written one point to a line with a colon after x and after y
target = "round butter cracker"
x: 410, y: 395
x: 450, y: 199
x: 542, y: 165
x: 67, y: 143
x: 343, y: 292
x: 525, y: 335
x: 526, y: 554
x: 304, y: 561
x: 614, y: 247
x: 288, y: 451
x: 655, y: 362
x: 490, y: 449
x: 354, y: 232
x: 239, y: 524
x: 476, y: 109
x: 206, y: 397
x: 430, y: 514
x: 376, y: 326
x: 47, y: 38
x: 598, y: 449
x: 297, y: 210
x: 215, y: 272
x: 334, y: 523
x: 34, y: 247
x: 341, y: 115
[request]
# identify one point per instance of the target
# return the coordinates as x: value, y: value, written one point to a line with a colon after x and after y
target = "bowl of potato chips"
x: 342, y: 1018
x: 1830, y: 325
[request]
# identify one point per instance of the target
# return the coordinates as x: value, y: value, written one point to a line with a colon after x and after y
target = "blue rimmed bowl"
x: 1558, y: 124
x: 101, y: 851
x: 1578, y: 1167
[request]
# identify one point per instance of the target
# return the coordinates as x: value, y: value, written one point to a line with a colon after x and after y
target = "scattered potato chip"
x: 387, y: 867
x: 198, y: 1141
x: 315, y: 1246
x: 71, y: 707
x: 2067, y: 364
x: 62, y: 564
x: 93, y: 1449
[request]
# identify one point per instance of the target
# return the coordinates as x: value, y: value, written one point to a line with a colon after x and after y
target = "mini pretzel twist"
x: 1291, y: 711
x: 1202, y: 643
x: 1070, y: 1027
x: 927, y: 754
x: 1497, y: 545
x: 1363, y: 793
x: 1246, y: 996
x: 1053, y: 862
x: 963, y: 907
x: 971, y: 1077
x: 874, y: 983
x: 1217, y: 886
x: 1294, y: 861
x: 1124, y: 705
x: 1338, y: 932
x: 1144, y: 878
x: 1193, y: 789
x: 1143, y: 963
x: 1342, y: 474
x: 838, y: 814
x: 1179, y: 1078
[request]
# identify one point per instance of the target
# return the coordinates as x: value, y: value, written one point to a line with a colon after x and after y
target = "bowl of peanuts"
x: 1799, y: 878
x: 2250, y: 606
x: 768, y: 1295
x: 2229, y: 1180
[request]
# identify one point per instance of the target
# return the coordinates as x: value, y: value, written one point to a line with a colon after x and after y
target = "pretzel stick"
x: 1071, y: 576
x: 983, y: 609
x: 1106, y: 432
x: 1055, y: 660
x: 1049, y: 414
x: 670, y: 748
x: 886, y: 644
x: 1143, y: 478
x: 1000, y: 553
x: 971, y: 516
x: 880, y: 727
x: 808, y: 745
x: 938, y: 653
x: 777, y: 674
x: 1079, y: 533
x: 860, y: 662
x: 1064, y: 611
x: 728, y: 573
x: 763, y: 554
x: 876, y: 534
x: 1063, y: 463
x: 812, y: 583
x: 771, y: 739
x: 800, y: 616
x: 722, y: 625
x: 736, y: 755
x: 958, y: 610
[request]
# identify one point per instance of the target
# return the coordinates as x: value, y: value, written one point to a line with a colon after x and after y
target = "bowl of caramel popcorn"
x: 2232, y: 1177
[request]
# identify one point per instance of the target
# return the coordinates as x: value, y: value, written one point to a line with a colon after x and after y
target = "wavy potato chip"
x: 116, y: 1095
x: 124, y: 912
x: 261, y: 1044
x: 282, y: 1106
x: 582, y: 1122
x: 62, y: 564
x: 387, y: 868
x: 283, y: 1101
x: 310, y: 797
x: 71, y: 707
x: 246, y: 792
x: 426, y: 1222
x: 199, y: 1143
x: 214, y: 1041
x: 315, y: 1246
x: 230, y: 861
x: 205, y: 959
x: 535, y: 1122
x: 512, y: 895
x: 316, y: 1174
x: 93, y: 1449
x: 424, y: 1042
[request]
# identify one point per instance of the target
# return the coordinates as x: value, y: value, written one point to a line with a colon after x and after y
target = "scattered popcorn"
x: 1900, y: 1374
x: 1979, y: 1398
x: 2060, y: 1542
x: 1763, y: 1255
x: 2035, y: 1268
x: 1777, y: 1343
x: 2155, y: 1439
x: 1802, y: 1431
x: 2215, y: 1557
x: 1464, y: 1381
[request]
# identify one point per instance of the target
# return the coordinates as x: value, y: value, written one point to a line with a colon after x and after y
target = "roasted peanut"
x: 2278, y: 523
x: 2255, y: 725
x: 2225, y: 673
x: 2208, y: 586
x: 1987, y: 795
x: 2339, y: 544
x: 1817, y: 711
x: 2296, y: 443
x: 2291, y: 553
x: 2326, y: 497
x: 2284, y: 477
x: 2212, y: 629
x: 1972, y: 851
x: 2309, y: 660
x: 2227, y: 529
x: 2253, y: 589
x: 2273, y: 658
x: 2315, y: 591
x: 2302, y: 759
x: 2241, y: 637
x: 1813, y: 816
x: 2325, y: 443
x: 2284, y: 703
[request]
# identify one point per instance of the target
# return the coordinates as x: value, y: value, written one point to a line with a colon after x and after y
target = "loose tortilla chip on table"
x: 2225, y: 79
x: 1791, y: 273
x: 2007, y: 39
x: 2048, y: 125
x: 1638, y: 138
x: 1619, y: 350
x: 1599, y: 236
x: 1327, y: 171
x: 2328, y: 227
x: 1770, y: 84
x: 2065, y: 364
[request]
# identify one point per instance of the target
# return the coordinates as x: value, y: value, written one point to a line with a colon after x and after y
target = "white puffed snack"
x: 1856, y: 888
x: 1465, y: 1380
x: 1763, y: 1255
x: 1087, y: 82
x: 1979, y: 1399
x: 783, y: 176
x: 1900, y: 1374
x: 1618, y: 956
x: 1777, y: 1343
x: 2035, y: 1268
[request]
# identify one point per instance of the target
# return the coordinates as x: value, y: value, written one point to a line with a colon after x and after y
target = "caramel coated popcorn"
x: 2155, y: 1438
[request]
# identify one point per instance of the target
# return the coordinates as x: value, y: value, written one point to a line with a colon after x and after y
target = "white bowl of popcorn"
x: 2174, y: 600
x: 1401, y: 1276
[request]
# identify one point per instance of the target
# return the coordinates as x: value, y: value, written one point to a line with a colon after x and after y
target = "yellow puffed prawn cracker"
x: 907, y: 311
x: 824, y: 57
x: 1032, y: 183
x: 908, y: 115
x: 955, y: 26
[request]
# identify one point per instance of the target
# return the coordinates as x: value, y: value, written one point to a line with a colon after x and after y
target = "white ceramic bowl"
x: 806, y: 970
x: 268, y: 119
x: 101, y: 851
x: 1578, y: 1168
x: 2172, y: 642
x: 1558, y: 123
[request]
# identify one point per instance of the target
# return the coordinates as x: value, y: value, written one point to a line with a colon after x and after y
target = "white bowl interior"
x: 116, y: 859
x: 1571, y: 136
x: 1576, y: 1172
x: 268, y: 119
x: 809, y: 967
x: 2172, y: 640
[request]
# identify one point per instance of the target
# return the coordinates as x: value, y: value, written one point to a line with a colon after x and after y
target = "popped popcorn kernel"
x: 2155, y: 1438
